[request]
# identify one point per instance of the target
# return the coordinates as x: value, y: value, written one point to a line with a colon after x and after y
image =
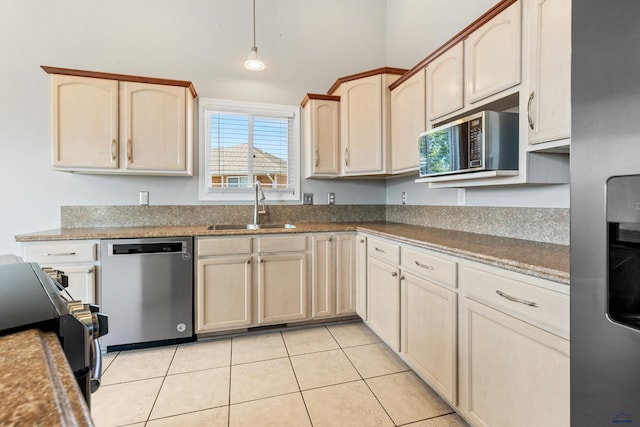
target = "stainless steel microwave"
x: 484, y: 141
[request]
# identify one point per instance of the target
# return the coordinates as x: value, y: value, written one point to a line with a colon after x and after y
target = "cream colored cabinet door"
x: 361, y: 276
x: 429, y: 333
x: 154, y: 127
x: 445, y: 83
x: 492, y: 55
x: 361, y: 126
x: 322, y: 137
x: 383, y: 301
x: 408, y: 120
x: 282, y: 288
x: 511, y: 373
x: 549, y: 106
x: 323, y: 276
x: 345, y: 274
x: 84, y: 120
x: 223, y: 293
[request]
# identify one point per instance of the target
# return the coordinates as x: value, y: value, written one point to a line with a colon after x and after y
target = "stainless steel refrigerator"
x: 605, y: 213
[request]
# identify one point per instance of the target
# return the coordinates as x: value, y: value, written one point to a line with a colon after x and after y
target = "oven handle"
x: 96, y: 365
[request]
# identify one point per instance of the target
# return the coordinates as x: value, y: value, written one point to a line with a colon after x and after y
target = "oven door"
x: 445, y: 149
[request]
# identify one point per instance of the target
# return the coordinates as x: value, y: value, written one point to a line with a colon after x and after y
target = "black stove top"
x: 28, y: 296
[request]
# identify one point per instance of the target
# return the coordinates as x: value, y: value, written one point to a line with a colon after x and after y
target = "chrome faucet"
x: 259, y: 196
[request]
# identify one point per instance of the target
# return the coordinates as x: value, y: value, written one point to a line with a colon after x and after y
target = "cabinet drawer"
x: 282, y: 244
x: 430, y: 267
x: 540, y: 307
x: 384, y: 251
x: 61, y: 252
x: 223, y: 246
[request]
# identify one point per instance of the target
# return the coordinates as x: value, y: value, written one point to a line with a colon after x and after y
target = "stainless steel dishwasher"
x: 147, y: 291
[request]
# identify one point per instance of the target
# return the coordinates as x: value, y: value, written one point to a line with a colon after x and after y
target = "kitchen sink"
x: 249, y: 226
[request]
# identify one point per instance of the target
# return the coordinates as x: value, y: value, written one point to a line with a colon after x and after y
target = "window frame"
x: 206, y: 193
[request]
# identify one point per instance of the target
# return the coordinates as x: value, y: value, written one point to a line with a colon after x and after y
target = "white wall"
x: 306, y: 45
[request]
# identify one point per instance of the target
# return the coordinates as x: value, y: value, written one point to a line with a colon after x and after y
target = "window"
x: 242, y: 142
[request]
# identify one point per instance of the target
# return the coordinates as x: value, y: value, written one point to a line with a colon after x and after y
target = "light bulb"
x: 254, y: 63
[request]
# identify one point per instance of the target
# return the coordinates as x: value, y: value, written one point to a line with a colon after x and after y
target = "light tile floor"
x: 330, y: 375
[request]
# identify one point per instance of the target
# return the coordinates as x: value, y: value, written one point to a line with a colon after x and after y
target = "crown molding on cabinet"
x: 121, y: 77
x: 382, y: 70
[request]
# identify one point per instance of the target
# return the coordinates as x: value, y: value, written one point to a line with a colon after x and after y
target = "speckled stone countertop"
x: 545, y: 260
x: 37, y: 387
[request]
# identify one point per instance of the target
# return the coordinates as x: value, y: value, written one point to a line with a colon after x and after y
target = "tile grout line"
x: 175, y: 350
x: 304, y: 402
x: 229, y: 394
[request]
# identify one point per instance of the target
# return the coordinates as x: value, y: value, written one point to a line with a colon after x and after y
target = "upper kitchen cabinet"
x: 84, y: 123
x: 549, y: 101
x: 364, y: 121
x: 408, y: 120
x: 445, y: 83
x: 321, y: 115
x: 492, y: 55
x: 112, y: 123
x: 155, y: 127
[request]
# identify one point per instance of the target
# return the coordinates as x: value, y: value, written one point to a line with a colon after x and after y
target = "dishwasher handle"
x: 147, y: 248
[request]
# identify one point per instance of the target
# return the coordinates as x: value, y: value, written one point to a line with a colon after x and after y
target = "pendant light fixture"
x: 253, y: 62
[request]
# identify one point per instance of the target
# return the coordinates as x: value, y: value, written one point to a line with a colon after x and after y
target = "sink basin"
x: 249, y: 226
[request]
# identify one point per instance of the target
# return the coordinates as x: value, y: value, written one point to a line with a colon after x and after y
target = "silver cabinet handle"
x: 428, y: 267
x: 380, y: 250
x: 361, y: 240
x: 346, y: 156
x: 261, y: 261
x: 529, y: 110
x: 113, y: 149
x: 518, y: 300
x: 248, y: 261
x: 402, y: 277
x: 394, y: 274
x: 129, y: 149
x: 61, y: 254
x: 317, y: 158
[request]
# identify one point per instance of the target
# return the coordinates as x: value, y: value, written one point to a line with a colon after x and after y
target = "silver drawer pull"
x: 380, y: 250
x: 428, y: 267
x: 61, y: 254
x: 514, y: 299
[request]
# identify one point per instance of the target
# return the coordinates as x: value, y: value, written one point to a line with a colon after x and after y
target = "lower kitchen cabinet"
x: 514, y: 349
x: 78, y: 259
x: 282, y: 288
x: 361, y: 276
x: 323, y: 276
x: 383, y: 301
x: 512, y: 373
x: 333, y: 277
x: 224, y: 293
x: 345, y: 274
x: 429, y: 333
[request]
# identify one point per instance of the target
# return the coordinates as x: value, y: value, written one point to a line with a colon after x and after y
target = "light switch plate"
x: 404, y: 197
x: 332, y: 198
x: 307, y: 199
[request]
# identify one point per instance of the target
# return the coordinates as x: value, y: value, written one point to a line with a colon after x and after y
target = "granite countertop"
x: 37, y: 386
x: 543, y: 260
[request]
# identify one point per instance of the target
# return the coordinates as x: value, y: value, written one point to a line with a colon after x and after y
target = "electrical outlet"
x: 404, y: 197
x: 462, y: 196
x: 307, y: 199
x: 332, y: 198
x: 144, y: 198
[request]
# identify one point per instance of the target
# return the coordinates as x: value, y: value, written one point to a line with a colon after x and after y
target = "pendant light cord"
x: 254, y: 23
